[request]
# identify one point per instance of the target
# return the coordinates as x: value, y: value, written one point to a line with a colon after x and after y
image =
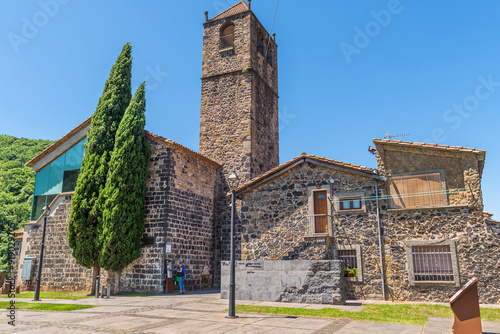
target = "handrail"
x: 277, y: 240
x: 277, y: 258
x: 311, y: 232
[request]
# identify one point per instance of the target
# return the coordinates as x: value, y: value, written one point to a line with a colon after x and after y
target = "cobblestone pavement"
x: 199, y: 312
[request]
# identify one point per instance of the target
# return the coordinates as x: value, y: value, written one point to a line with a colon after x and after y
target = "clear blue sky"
x: 411, y: 72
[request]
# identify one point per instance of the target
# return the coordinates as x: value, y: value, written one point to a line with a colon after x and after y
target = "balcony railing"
x: 320, y: 225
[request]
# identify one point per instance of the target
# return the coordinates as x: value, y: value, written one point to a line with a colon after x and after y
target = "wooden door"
x: 320, y: 212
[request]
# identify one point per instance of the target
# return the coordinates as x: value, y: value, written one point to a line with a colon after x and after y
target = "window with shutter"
x: 414, y: 191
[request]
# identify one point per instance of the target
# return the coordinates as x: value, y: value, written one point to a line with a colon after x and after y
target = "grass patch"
x: 492, y: 314
x: 53, y: 295
x: 44, y: 306
x: 398, y: 314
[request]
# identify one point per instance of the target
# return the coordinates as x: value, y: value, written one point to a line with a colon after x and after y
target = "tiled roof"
x: 425, y: 145
x: 149, y: 135
x: 59, y: 142
x: 161, y: 140
x: 303, y: 157
x: 239, y: 8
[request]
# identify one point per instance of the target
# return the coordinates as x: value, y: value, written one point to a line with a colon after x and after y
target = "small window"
x: 227, y: 38
x: 432, y: 263
x: 349, y: 258
x: 353, y: 203
x: 414, y: 191
x: 38, y: 203
x: 148, y: 241
x: 69, y: 180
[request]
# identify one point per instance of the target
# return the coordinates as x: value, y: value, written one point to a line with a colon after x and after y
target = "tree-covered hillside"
x: 16, y: 184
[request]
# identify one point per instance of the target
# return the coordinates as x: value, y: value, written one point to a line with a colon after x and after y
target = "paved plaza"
x: 200, y: 312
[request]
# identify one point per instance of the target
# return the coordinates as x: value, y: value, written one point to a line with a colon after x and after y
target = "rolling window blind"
x: 415, y: 191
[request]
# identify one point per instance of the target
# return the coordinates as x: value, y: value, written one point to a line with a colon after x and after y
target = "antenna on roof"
x: 389, y: 135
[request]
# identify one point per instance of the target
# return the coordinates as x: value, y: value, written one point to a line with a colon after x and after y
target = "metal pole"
x: 97, y: 283
x: 380, y: 242
x: 37, y: 289
x: 232, y: 297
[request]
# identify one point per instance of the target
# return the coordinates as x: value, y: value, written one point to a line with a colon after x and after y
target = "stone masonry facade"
x: 239, y: 111
x: 460, y: 222
x: 275, y: 223
x: 60, y: 272
x: 188, y: 207
x: 179, y: 209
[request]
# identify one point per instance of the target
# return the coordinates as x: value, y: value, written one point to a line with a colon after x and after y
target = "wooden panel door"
x: 320, y: 212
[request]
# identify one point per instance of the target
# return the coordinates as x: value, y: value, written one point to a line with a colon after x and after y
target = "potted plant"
x: 350, y: 272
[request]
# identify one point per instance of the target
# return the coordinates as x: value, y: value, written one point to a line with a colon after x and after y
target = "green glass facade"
x: 57, y: 177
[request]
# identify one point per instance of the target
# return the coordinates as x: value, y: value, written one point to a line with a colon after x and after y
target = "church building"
x: 412, y: 229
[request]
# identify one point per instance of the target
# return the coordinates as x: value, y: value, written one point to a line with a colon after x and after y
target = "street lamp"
x: 232, y: 298
x: 46, y: 210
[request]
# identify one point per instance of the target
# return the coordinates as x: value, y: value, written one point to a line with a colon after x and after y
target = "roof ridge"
x: 292, y: 161
x: 59, y: 142
x: 157, y: 138
x: 227, y: 12
x: 428, y: 145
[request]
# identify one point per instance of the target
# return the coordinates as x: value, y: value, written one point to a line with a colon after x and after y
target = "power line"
x: 408, y: 195
x: 272, y: 26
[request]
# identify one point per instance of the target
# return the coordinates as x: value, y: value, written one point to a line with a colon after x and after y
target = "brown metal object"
x: 3, y: 273
x: 169, y: 281
x: 465, y: 306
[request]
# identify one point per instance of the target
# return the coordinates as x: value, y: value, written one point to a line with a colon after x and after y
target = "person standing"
x: 181, y: 275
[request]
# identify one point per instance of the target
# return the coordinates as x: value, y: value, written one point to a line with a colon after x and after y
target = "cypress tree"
x: 85, y: 222
x: 123, y: 197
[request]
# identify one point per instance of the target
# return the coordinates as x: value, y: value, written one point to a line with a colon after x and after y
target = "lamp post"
x: 46, y: 210
x: 232, y: 285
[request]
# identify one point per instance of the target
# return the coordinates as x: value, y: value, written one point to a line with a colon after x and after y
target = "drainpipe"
x: 380, y: 242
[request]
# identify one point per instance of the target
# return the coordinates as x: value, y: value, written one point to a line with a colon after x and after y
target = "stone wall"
x: 271, y: 224
x: 60, y: 272
x: 15, y: 256
x: 179, y: 210
x: 274, y: 221
x: 265, y: 128
x: 315, y: 282
x: 462, y: 224
x: 461, y: 169
x: 215, y: 62
x: 239, y: 114
x: 239, y: 102
x: 477, y: 250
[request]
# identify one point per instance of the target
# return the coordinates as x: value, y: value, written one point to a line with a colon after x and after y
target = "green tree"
x: 85, y: 222
x: 122, y: 200
x: 16, y: 186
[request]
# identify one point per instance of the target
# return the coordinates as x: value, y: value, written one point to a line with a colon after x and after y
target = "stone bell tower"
x: 239, y: 100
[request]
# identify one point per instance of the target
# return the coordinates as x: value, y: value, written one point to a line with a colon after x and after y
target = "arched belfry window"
x: 227, y: 37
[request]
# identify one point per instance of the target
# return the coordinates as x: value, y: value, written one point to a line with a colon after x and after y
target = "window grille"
x: 432, y: 263
x: 349, y: 258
